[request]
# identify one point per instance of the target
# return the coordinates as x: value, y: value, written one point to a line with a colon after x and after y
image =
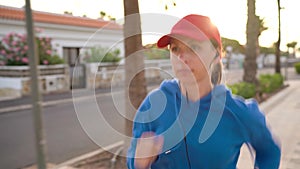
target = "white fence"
x: 53, y: 78
x: 105, y: 75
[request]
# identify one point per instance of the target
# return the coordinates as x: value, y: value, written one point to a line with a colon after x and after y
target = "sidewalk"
x: 283, y: 115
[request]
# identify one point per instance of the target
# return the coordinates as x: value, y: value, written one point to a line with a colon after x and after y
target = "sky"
x: 230, y: 16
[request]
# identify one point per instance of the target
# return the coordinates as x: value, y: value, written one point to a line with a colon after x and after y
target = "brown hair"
x: 216, y: 67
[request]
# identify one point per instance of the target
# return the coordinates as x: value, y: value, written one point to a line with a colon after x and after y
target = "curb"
x: 50, y: 103
x: 61, y: 101
x: 70, y: 162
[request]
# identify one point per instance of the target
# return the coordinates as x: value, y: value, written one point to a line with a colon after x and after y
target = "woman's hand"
x: 147, y: 149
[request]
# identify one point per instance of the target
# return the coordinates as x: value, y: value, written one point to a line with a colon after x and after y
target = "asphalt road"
x: 65, y: 136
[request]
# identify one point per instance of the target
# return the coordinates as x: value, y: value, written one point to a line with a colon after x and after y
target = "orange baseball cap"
x: 194, y: 26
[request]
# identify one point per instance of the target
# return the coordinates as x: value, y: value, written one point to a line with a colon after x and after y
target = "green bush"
x: 154, y: 53
x: 297, y: 67
x: 269, y: 83
x: 244, y: 89
x: 51, y: 60
x: 101, y: 54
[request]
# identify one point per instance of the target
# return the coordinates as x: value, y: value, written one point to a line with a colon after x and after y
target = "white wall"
x: 12, y: 83
x: 68, y: 36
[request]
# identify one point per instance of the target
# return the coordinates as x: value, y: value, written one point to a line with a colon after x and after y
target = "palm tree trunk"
x: 135, y: 83
x: 277, y: 63
x: 250, y: 66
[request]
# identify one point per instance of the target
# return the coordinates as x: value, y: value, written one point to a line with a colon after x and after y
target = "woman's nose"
x: 182, y: 54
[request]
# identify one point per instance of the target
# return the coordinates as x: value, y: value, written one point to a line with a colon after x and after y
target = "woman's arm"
x: 267, y: 148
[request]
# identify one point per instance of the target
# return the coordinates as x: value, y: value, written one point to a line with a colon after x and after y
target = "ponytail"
x: 216, y: 73
x: 217, y: 66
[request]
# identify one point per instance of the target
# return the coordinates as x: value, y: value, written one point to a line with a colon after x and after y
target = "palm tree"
x: 136, y: 90
x: 262, y: 28
x: 277, y: 63
x: 250, y: 66
x: 102, y: 14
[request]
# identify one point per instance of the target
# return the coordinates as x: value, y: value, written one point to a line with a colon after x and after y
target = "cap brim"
x: 164, y: 41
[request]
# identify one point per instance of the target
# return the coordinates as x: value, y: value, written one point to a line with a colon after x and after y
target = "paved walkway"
x: 283, y: 116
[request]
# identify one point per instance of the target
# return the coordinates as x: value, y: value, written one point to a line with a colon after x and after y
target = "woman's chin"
x: 186, y: 78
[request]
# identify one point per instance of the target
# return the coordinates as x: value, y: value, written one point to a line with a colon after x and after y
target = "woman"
x: 192, y: 121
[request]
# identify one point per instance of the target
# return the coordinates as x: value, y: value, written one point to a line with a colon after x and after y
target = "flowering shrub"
x: 101, y: 54
x: 14, y: 50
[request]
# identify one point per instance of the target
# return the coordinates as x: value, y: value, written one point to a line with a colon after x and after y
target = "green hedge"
x: 101, y: 54
x: 154, y: 53
x: 297, y: 67
x: 269, y: 83
x: 244, y: 89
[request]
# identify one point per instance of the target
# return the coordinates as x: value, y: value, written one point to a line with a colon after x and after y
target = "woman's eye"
x: 194, y: 47
x: 174, y: 49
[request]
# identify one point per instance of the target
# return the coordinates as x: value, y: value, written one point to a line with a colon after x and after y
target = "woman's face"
x: 191, y: 59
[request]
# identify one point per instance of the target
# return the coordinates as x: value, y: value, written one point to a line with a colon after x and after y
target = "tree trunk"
x: 250, y: 66
x: 135, y: 83
x: 277, y: 63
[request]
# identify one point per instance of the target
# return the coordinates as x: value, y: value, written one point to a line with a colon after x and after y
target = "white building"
x: 69, y: 33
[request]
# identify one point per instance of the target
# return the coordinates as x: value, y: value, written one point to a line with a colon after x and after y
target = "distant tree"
x: 262, y: 28
x: 293, y: 46
x: 68, y: 13
x: 152, y: 52
x: 236, y: 46
x: 111, y: 18
x: 264, y: 51
x: 168, y: 3
x: 102, y: 14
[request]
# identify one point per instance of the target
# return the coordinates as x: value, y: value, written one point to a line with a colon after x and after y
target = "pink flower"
x: 45, y: 62
x: 24, y: 39
x: 17, y: 49
x: 5, y: 40
x: 48, y: 39
x: 10, y: 34
x: 25, y: 60
x: 9, y: 56
x: 14, y: 43
x: 2, y: 63
x: 3, y: 52
x: 48, y: 52
x: 17, y: 58
x: 23, y: 51
x: 25, y: 47
x: 19, y: 35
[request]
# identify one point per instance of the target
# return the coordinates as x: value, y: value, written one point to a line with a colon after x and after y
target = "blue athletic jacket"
x: 206, y: 134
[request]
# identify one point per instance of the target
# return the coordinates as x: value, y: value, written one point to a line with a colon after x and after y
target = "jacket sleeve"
x: 267, y: 148
x: 139, y: 126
